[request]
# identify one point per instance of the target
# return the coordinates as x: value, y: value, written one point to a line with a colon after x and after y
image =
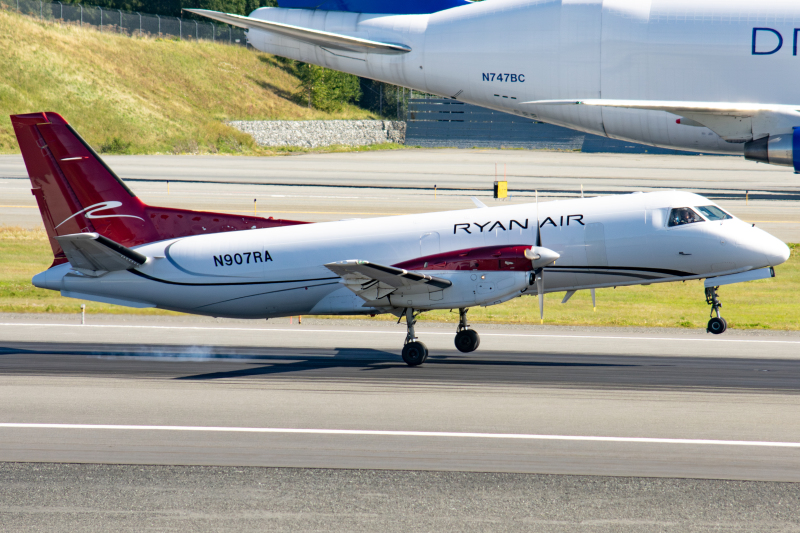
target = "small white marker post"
x: 83, y: 314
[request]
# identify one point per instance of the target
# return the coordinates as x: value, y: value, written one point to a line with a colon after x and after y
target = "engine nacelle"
x: 481, y: 276
x: 781, y: 149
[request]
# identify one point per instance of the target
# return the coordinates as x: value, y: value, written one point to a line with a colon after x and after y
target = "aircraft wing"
x: 677, y: 107
x: 734, y: 122
x: 95, y: 255
x: 316, y: 37
x: 371, y: 281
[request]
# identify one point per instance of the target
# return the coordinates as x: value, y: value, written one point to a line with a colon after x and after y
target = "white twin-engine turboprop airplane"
x: 111, y: 247
x: 709, y: 75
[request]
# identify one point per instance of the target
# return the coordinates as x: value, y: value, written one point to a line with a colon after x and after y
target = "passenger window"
x: 712, y: 212
x: 683, y: 215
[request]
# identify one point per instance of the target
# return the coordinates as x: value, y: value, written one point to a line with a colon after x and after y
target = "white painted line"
x: 445, y: 434
x: 301, y: 329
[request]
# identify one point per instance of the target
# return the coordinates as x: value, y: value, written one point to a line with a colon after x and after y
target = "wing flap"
x: 316, y: 37
x: 95, y: 255
x: 371, y: 281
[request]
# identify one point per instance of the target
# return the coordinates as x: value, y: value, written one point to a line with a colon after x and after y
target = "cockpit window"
x: 683, y: 215
x: 712, y: 212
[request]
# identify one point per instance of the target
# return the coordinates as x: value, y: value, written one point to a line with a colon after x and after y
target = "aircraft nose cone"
x: 777, y: 252
x: 759, y: 248
x: 773, y: 248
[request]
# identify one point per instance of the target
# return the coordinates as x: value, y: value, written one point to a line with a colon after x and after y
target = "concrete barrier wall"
x: 316, y: 133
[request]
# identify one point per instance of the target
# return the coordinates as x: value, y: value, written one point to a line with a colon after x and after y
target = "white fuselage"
x: 501, y: 53
x: 261, y: 273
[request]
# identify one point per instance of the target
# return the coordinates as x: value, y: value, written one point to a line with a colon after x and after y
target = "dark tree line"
x: 172, y: 8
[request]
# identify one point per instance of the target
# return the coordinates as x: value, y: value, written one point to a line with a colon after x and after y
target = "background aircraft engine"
x: 781, y: 149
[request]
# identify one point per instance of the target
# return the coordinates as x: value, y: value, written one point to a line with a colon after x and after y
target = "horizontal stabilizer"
x: 95, y: 255
x: 326, y: 39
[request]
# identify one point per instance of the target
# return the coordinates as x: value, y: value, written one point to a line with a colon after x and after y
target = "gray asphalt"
x: 459, y: 169
x: 82, y: 498
x: 523, y: 381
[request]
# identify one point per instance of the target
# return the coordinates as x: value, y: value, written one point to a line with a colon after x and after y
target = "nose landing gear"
x: 717, y: 324
x: 467, y: 340
x: 414, y: 352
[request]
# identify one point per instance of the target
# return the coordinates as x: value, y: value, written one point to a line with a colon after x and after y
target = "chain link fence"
x: 132, y: 24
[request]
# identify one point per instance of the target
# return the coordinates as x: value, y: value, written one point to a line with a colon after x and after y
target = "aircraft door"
x: 429, y: 244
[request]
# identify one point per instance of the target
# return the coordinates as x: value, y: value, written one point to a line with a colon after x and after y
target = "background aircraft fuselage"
x: 501, y: 53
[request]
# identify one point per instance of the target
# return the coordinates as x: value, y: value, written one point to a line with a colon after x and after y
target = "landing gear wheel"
x: 717, y: 325
x: 415, y: 353
x: 467, y: 340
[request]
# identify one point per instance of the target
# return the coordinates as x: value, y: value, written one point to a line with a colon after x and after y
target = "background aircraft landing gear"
x: 467, y: 340
x: 717, y: 324
x: 414, y: 352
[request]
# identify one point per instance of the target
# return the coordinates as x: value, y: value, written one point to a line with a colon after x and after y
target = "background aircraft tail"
x: 78, y: 193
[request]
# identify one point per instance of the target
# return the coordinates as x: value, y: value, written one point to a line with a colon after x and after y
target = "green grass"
x: 765, y: 304
x: 144, y: 95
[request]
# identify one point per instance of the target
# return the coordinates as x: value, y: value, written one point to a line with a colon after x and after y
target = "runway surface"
x: 321, y: 187
x: 554, y: 401
x: 124, y: 498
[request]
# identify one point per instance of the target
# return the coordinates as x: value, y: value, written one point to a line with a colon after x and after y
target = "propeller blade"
x: 540, y: 292
x: 538, y: 226
x: 535, y: 254
x: 594, y: 301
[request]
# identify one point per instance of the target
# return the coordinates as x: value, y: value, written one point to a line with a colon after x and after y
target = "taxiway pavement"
x: 321, y: 187
x: 337, y: 395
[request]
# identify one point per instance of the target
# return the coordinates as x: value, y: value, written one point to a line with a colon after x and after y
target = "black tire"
x: 415, y: 353
x: 717, y: 326
x: 467, y: 341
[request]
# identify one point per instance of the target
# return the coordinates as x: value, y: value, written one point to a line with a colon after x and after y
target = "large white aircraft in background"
x: 717, y: 76
x: 109, y: 246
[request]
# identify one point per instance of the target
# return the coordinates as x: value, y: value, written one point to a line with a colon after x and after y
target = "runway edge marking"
x: 383, y: 332
x: 445, y: 434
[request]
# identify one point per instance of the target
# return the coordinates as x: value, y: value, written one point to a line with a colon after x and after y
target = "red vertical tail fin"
x: 77, y: 192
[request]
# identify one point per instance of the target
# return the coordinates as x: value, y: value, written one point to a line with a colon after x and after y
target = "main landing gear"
x: 717, y: 324
x: 414, y: 352
x: 467, y: 340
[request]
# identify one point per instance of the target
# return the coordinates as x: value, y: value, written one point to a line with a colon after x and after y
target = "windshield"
x: 712, y: 212
x: 683, y: 215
